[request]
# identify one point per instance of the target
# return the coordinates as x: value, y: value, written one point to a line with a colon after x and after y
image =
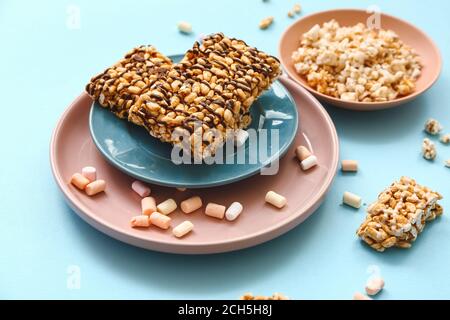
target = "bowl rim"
x: 378, y: 104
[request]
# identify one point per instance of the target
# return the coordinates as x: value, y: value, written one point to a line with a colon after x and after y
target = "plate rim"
x: 235, y: 244
x: 282, y: 152
x: 362, y: 106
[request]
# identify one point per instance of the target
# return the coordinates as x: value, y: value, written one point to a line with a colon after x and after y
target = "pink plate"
x: 110, y: 212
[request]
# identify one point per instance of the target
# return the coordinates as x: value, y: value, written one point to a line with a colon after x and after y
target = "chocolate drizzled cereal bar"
x: 399, y: 215
x: 120, y: 86
x: 214, y: 85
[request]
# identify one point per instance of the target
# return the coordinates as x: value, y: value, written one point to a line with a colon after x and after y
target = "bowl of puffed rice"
x: 359, y: 60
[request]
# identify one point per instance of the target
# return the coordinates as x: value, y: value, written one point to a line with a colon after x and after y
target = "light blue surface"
x: 130, y: 149
x: 45, y: 65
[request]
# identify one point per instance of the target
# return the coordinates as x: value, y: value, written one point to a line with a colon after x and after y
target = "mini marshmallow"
x: 182, y: 229
x: 240, y: 137
x: 215, y: 210
x: 349, y: 165
x: 184, y: 27
x: 351, y: 200
x: 233, y: 211
x: 89, y: 173
x: 140, y: 188
x: 148, y: 205
x: 275, y: 199
x: 167, y: 206
x: 191, y: 204
x: 373, y: 286
x: 302, y: 153
x: 360, y: 296
x: 160, y: 220
x: 79, y: 181
x: 140, y: 222
x: 95, y: 187
x: 309, y: 162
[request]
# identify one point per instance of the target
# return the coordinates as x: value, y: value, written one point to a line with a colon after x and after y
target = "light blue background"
x: 45, y: 65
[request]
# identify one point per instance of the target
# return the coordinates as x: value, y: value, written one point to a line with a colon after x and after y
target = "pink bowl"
x: 110, y: 212
x: 408, y: 33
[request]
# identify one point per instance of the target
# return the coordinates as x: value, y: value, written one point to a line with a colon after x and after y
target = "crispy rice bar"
x: 120, y: 86
x: 214, y: 85
x: 399, y: 215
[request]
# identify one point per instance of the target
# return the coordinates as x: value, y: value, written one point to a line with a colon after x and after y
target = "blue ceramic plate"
x: 132, y: 150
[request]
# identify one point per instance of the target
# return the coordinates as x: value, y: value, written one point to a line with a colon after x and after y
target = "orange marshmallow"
x: 160, y: 220
x: 148, y: 205
x: 140, y: 222
x: 302, y: 153
x: 79, y: 181
x: 191, y: 204
x: 215, y: 210
x: 95, y: 187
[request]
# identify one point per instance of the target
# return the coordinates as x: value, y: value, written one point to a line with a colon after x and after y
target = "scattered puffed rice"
x: 90, y: 173
x: 356, y: 63
x: 290, y: 14
x: 184, y: 27
x: 265, y: 23
x: 360, y: 296
x: 233, y: 211
x: 447, y: 163
x: 79, y: 181
x: 309, y: 162
x: 428, y: 149
x: 374, y: 285
x: 140, y: 188
x: 95, y: 187
x: 433, y: 127
x: 140, y: 222
x: 445, y: 139
x: 297, y: 8
x: 351, y: 200
x: 182, y: 229
x: 167, y: 206
x: 275, y: 296
x: 275, y: 199
x: 349, y: 165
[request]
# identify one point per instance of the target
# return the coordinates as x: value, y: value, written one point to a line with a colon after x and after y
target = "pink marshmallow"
x: 140, y: 188
x: 89, y: 173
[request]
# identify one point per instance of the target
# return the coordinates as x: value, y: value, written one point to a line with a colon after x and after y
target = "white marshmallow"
x: 351, y: 200
x: 308, y: 163
x: 89, y: 173
x: 233, y: 211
